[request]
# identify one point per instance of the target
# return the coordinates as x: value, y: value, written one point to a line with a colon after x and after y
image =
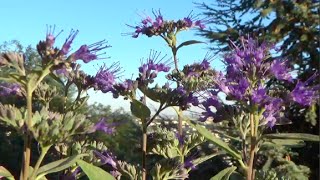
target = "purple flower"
x: 180, y: 138
x: 259, y: 96
x: 188, y: 22
x: 280, y: 70
x: 272, y: 110
x: 88, y: 53
x: 239, y: 89
x: 180, y: 90
x: 205, y: 65
x: 7, y: 89
x: 106, y: 157
x: 188, y: 163
x: 103, y: 126
x: 105, y: 78
x: 149, y: 70
x: 159, y: 21
x: 305, y: 95
x: 193, y: 99
x: 200, y: 24
x: 67, y: 44
x: 50, y: 37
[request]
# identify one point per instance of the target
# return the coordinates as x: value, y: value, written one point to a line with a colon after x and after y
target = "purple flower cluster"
x: 108, y: 128
x: 159, y: 26
x: 7, y: 89
x: 248, y: 70
x: 149, y: 70
x: 105, y: 78
x: 106, y: 157
x: 86, y: 53
x: 182, y: 98
x: 190, y: 23
x: 304, y: 94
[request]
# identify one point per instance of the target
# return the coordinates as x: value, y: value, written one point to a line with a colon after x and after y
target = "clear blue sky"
x: 96, y: 20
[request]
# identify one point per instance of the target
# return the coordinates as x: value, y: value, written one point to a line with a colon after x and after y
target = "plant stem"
x: 144, y: 143
x: 253, y: 144
x: 27, y: 139
x: 180, y: 131
x: 44, y: 151
x: 144, y: 151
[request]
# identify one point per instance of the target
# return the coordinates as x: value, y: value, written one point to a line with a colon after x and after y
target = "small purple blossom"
x: 280, y: 70
x: 104, y: 127
x: 188, y: 22
x: 7, y: 89
x: 188, y: 163
x: 205, y: 64
x: 180, y: 139
x: 50, y: 37
x: 259, y: 96
x: 180, y: 90
x: 105, y: 78
x: 88, y: 53
x: 305, y: 95
x: 67, y: 44
x: 200, y: 24
x: 238, y: 89
x: 150, y: 69
x: 106, y: 157
x: 272, y: 110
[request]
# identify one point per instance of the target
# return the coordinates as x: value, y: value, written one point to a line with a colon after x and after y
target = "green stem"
x: 44, y: 151
x: 144, y: 151
x: 144, y: 143
x: 27, y: 139
x: 253, y: 146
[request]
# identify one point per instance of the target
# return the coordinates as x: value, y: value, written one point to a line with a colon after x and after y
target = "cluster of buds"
x: 194, y: 77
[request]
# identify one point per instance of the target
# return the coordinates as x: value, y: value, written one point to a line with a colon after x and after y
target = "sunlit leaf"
x: 296, y: 136
x: 187, y: 43
x: 139, y: 110
x: 59, y: 165
x: 94, y: 172
x: 224, y: 174
x: 5, y: 173
x: 218, y: 142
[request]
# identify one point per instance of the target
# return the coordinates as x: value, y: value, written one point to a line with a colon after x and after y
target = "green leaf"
x: 218, y: 142
x: 293, y: 143
x: 224, y: 174
x: 296, y: 136
x: 59, y: 165
x: 139, y: 110
x: 200, y: 160
x: 5, y: 173
x: 187, y: 43
x: 94, y: 172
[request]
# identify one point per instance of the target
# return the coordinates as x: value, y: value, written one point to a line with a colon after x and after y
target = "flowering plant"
x: 37, y: 121
x: 254, y: 105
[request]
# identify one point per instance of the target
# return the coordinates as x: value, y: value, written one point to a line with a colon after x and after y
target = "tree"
x: 294, y: 27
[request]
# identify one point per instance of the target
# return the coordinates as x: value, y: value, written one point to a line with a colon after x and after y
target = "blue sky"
x: 96, y: 20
